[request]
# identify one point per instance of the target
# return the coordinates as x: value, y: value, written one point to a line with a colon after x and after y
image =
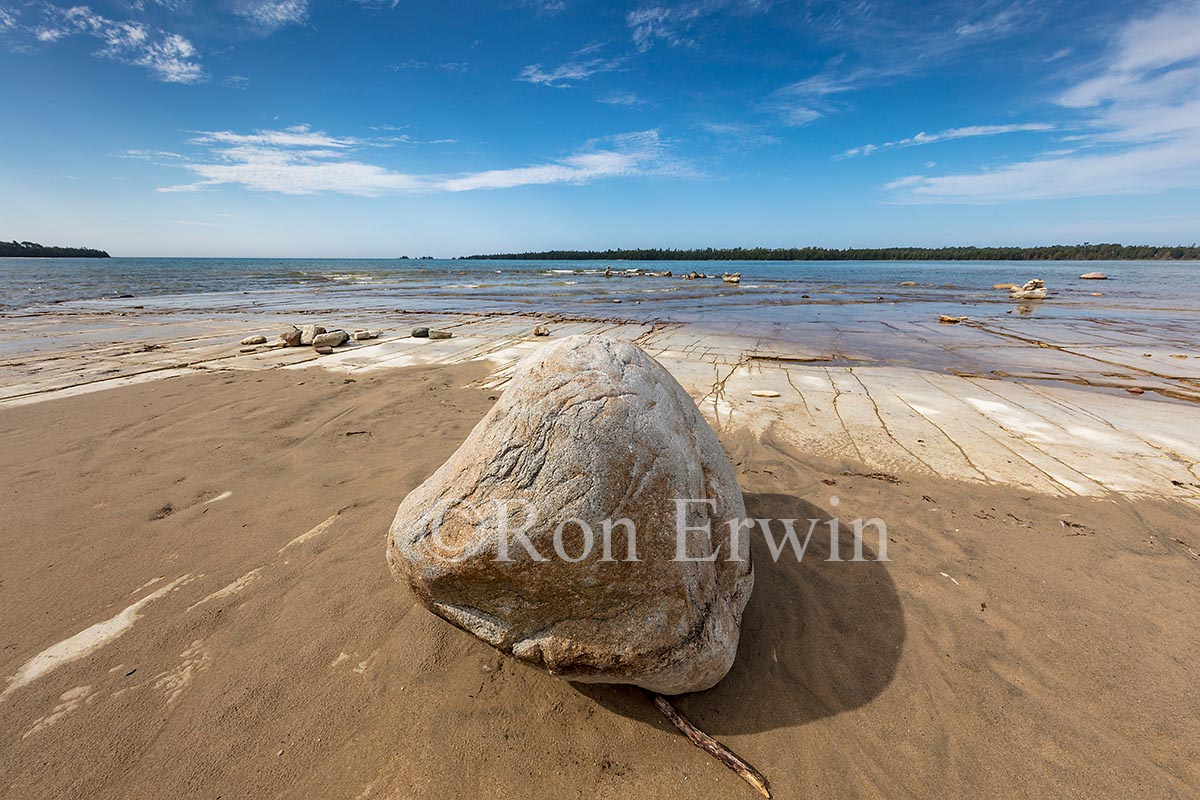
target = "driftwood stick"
x: 714, y: 748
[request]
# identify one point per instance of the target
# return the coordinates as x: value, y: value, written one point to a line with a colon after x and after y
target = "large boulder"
x: 589, y: 429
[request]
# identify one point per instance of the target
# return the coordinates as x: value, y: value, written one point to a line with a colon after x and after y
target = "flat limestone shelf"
x: 1049, y: 430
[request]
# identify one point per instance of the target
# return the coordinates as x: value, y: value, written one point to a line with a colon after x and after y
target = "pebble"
x: 1134, y: 390
x: 362, y: 336
x: 254, y: 340
x: 541, y: 330
x: 440, y: 334
x: 945, y: 319
x: 323, y: 350
x: 248, y: 350
x: 291, y: 337
x: 420, y: 333
x: 764, y: 393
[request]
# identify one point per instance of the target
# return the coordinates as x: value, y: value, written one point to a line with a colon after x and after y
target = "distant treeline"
x: 1056, y: 252
x: 35, y: 250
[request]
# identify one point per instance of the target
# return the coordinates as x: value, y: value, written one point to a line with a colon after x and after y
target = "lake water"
x: 579, y: 287
x: 846, y: 306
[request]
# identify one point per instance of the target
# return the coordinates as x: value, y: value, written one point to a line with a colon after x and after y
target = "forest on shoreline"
x: 1075, y: 252
x: 15, y: 249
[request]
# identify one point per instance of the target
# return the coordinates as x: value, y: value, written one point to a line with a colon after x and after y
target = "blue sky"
x: 380, y: 128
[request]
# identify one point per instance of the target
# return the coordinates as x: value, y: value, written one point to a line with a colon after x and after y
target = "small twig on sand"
x: 714, y: 748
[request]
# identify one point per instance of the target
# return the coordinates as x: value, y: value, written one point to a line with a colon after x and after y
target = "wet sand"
x: 1017, y: 644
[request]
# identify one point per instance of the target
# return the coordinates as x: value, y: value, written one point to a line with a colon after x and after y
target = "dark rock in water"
x: 590, y: 429
x: 420, y: 333
x: 330, y: 339
x: 440, y: 334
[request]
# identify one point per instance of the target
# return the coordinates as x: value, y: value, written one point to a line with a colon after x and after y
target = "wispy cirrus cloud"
x: 675, y: 24
x: 991, y: 23
x: 546, y: 8
x: 269, y: 16
x: 293, y: 136
x: 445, y: 66
x: 1141, y: 114
x: 624, y: 99
x: 879, y: 43
x: 804, y: 101
x: 169, y: 57
x: 965, y: 132
x: 652, y: 24
x: 300, y: 161
x: 583, y: 64
x: 739, y: 135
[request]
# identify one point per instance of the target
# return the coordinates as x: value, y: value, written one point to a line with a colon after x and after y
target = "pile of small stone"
x: 1032, y: 290
x: 315, y: 336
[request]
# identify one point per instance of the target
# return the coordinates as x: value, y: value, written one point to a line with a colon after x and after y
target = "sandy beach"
x: 695, y: 399
x: 195, y: 600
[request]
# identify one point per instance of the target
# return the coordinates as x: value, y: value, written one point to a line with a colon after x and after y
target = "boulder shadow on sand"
x: 819, y: 637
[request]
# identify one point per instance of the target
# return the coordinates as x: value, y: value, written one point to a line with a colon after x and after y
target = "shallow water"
x: 857, y: 309
x: 571, y: 285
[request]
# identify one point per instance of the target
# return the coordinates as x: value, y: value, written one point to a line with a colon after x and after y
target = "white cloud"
x: 804, y: 101
x: 271, y: 15
x: 626, y: 99
x: 1142, y: 122
x: 998, y: 23
x: 738, y: 134
x: 544, y: 7
x: 169, y: 57
x: 967, y: 132
x: 1140, y: 170
x: 300, y: 161
x: 673, y: 24
x: 577, y: 68
x: 878, y: 43
x: 8, y: 20
x: 293, y: 136
x: 652, y: 24
x: 446, y: 66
